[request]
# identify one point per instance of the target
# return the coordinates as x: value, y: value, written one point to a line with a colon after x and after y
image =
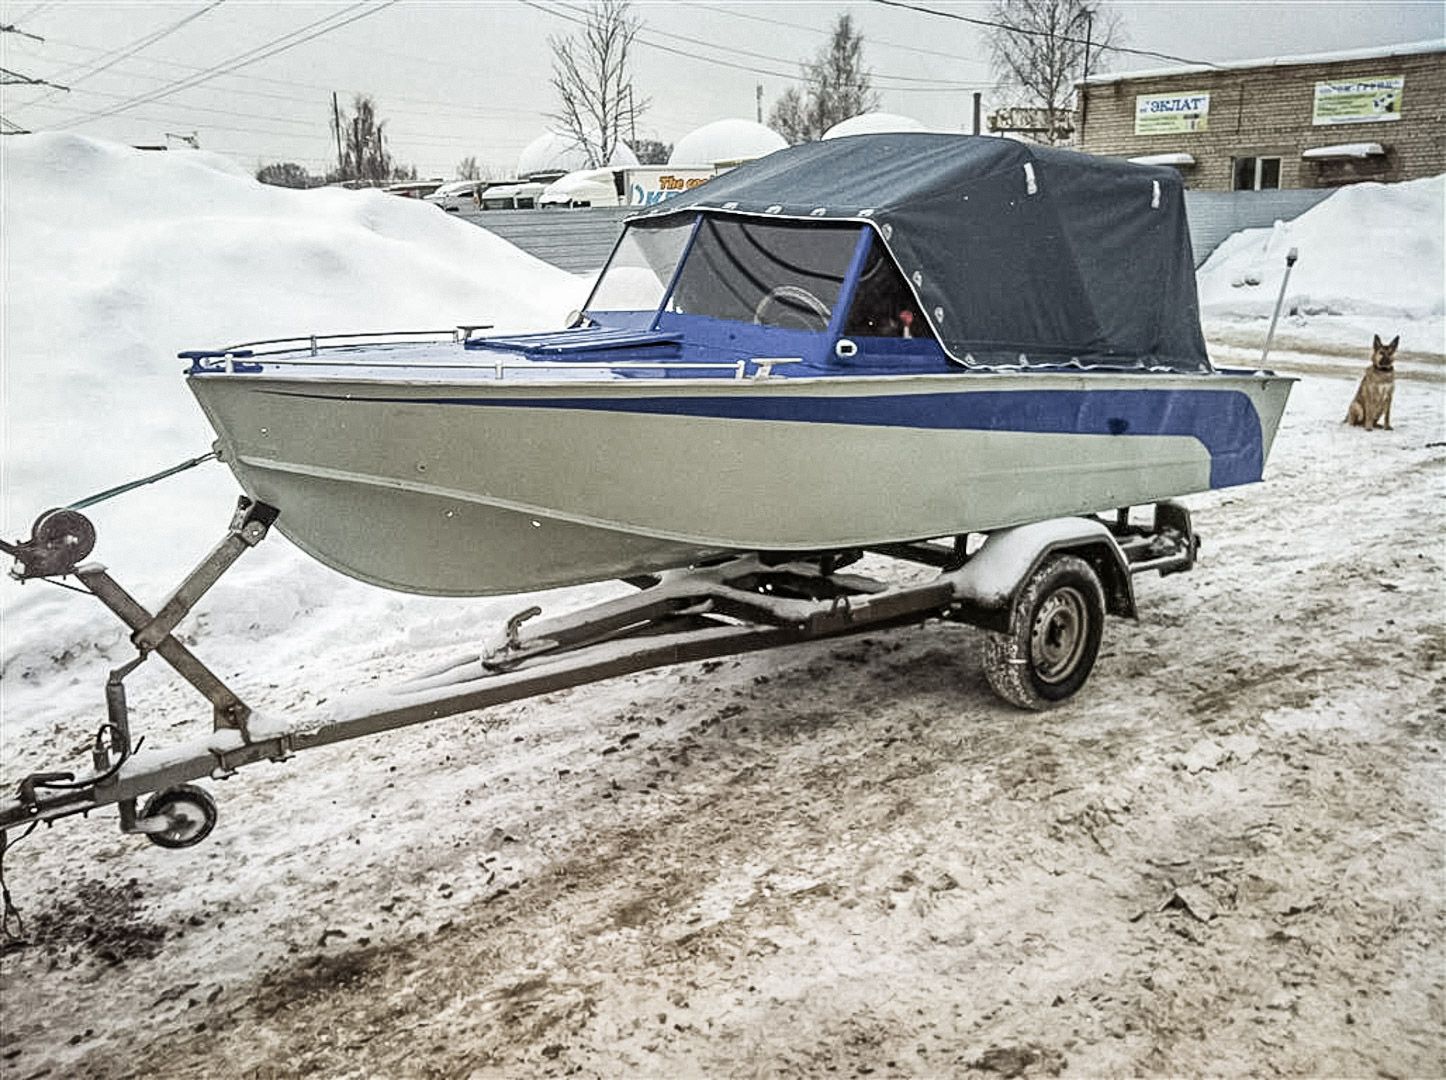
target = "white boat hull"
x: 469, y: 487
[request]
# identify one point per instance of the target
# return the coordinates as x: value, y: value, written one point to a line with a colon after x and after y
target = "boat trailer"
x: 1041, y: 590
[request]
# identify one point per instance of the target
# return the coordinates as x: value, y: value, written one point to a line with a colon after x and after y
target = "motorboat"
x: 845, y: 344
x: 870, y: 343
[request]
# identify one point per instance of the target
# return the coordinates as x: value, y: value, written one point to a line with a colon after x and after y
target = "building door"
x: 1257, y: 173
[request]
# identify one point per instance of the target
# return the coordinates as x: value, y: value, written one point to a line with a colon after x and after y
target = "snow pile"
x: 726, y: 142
x: 116, y: 259
x: 1371, y: 261
x: 873, y: 123
x: 553, y: 152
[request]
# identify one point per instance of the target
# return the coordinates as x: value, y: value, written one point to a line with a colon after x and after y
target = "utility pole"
x: 978, y: 105
x: 758, y: 95
x: 336, y: 124
x: 356, y: 143
x: 1084, y: 89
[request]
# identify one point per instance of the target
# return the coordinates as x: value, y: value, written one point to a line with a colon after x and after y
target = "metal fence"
x: 1214, y: 215
x: 575, y: 240
x: 581, y: 240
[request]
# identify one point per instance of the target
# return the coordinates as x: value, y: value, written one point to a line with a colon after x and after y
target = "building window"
x: 1257, y: 173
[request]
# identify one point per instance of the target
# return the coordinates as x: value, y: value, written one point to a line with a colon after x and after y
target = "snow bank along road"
x: 1223, y: 858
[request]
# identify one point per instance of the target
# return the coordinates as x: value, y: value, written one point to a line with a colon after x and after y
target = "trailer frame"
x: 736, y: 604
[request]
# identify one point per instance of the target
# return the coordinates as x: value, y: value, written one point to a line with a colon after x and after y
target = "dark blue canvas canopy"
x: 1018, y: 254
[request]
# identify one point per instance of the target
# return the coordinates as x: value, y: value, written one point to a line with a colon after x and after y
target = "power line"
x: 10, y: 28
x: 261, y: 52
x: 477, y: 111
x: 143, y: 42
x: 205, y: 74
x: 16, y: 78
x: 36, y: 10
x: 992, y: 24
x: 935, y: 85
x: 871, y: 41
x: 424, y: 138
x: 783, y: 60
x: 668, y: 49
x: 129, y: 50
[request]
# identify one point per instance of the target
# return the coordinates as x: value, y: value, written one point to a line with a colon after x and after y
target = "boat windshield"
x: 771, y: 273
x: 637, y: 276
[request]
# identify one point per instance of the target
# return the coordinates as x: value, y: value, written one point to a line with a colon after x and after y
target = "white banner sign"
x: 1359, y: 101
x: 1172, y: 114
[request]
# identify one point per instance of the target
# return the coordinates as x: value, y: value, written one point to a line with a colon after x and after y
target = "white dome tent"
x: 726, y: 142
x: 873, y: 123
x: 553, y: 153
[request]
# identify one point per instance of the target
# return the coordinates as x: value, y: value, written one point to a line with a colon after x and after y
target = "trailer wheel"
x: 1053, y: 638
x: 190, y: 812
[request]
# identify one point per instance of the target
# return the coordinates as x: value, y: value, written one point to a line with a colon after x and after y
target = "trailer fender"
x: 985, y: 586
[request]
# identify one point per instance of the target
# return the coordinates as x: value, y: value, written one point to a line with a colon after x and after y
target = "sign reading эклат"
x: 1359, y: 101
x: 1172, y: 114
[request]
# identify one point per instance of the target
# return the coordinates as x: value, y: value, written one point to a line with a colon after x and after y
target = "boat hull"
x: 471, y: 487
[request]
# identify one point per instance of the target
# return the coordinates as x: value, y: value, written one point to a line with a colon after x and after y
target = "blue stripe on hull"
x: 1224, y: 421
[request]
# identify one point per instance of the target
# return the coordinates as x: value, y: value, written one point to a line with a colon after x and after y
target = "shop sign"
x: 1172, y: 114
x: 1359, y: 101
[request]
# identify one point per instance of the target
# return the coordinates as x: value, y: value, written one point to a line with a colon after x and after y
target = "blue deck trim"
x: 575, y: 342
x: 1223, y: 421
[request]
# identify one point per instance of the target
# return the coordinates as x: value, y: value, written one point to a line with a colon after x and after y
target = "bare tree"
x: 468, y: 169
x: 364, y: 153
x: 597, y: 104
x: 1043, y: 49
x: 836, y: 87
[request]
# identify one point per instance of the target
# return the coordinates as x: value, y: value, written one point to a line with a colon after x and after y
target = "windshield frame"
x: 589, y: 310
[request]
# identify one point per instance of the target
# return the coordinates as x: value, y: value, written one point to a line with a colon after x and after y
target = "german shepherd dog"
x: 1372, y: 404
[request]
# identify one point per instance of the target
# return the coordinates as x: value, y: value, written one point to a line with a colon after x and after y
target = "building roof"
x: 1410, y: 48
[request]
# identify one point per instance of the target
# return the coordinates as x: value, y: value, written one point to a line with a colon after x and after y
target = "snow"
x: 596, y: 186
x: 553, y: 152
x: 1375, y: 52
x: 115, y: 260
x: 1007, y: 555
x: 1345, y: 150
x: 842, y: 857
x: 873, y: 123
x: 1164, y: 159
x: 1372, y: 261
x: 726, y: 142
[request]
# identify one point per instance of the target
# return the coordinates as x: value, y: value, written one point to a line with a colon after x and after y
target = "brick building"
x: 1291, y: 122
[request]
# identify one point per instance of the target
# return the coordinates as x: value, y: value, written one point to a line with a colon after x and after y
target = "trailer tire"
x: 192, y: 811
x: 1055, y: 626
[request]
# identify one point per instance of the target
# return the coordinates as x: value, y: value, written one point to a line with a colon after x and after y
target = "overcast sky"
x: 455, y: 78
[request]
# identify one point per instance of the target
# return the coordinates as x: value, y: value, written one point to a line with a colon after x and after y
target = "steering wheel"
x: 797, y: 308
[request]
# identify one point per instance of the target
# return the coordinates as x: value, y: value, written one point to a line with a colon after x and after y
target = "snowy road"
x: 1225, y: 857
